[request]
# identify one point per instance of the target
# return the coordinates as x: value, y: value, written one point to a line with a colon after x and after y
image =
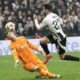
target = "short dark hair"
x: 47, y: 6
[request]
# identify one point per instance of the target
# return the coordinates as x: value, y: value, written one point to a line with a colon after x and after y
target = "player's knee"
x: 35, y: 68
x: 44, y: 41
x: 61, y: 57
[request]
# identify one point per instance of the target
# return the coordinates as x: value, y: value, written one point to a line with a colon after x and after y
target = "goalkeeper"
x: 21, y: 48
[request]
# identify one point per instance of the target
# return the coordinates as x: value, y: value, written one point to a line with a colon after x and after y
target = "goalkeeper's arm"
x: 15, y: 55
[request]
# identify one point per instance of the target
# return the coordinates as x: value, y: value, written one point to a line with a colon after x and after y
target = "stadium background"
x: 21, y: 13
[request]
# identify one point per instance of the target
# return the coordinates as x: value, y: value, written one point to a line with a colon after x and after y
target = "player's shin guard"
x: 45, y: 48
x: 71, y: 58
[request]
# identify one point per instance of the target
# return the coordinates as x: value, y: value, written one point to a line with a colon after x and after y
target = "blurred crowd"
x: 21, y: 13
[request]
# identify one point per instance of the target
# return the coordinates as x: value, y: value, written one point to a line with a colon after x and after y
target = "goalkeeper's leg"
x: 48, y: 74
x: 44, y: 72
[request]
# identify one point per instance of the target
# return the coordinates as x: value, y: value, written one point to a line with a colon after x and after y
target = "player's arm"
x: 61, y: 21
x: 32, y: 46
x: 41, y: 25
x: 15, y: 55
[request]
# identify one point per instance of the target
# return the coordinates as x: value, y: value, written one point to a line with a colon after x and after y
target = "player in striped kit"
x: 54, y: 24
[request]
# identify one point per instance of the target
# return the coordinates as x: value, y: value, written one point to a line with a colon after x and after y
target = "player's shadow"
x: 43, y: 78
x: 26, y: 78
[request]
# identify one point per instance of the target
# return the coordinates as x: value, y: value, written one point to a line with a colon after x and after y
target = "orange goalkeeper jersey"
x: 23, y: 50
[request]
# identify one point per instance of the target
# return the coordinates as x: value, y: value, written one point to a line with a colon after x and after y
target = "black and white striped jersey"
x: 54, y: 24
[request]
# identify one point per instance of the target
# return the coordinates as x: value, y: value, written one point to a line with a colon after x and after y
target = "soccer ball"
x: 10, y: 26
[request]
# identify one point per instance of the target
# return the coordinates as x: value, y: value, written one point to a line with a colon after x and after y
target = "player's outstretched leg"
x: 69, y: 57
x: 48, y: 55
x: 47, y: 74
x: 42, y: 71
x: 43, y: 43
x: 47, y: 58
x: 40, y: 76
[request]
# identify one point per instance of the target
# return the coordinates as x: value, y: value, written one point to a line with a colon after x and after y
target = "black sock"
x: 71, y: 58
x: 45, y: 48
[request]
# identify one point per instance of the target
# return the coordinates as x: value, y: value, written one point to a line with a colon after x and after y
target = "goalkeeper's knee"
x: 34, y: 68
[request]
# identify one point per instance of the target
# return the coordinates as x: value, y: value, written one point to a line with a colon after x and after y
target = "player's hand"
x: 34, y: 16
x: 42, y: 52
x: 16, y: 63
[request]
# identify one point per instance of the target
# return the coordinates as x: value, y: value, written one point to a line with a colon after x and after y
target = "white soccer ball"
x: 10, y: 26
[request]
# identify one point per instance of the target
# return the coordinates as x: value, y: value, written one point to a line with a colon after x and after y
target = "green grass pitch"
x: 69, y: 70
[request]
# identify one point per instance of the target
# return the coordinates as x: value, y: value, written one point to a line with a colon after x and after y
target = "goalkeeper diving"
x: 21, y: 49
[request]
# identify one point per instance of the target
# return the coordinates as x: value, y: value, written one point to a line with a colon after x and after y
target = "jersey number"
x: 55, y: 25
